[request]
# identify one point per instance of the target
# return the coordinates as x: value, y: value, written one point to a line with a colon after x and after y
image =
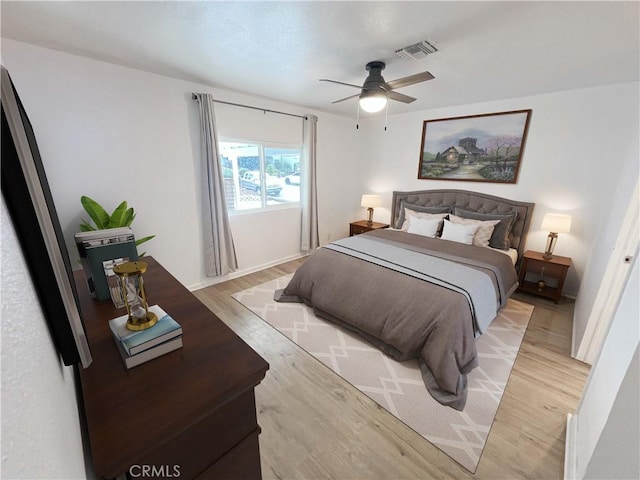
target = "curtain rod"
x: 265, y: 110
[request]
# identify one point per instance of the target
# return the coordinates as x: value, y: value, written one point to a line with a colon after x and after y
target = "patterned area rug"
x: 398, y: 386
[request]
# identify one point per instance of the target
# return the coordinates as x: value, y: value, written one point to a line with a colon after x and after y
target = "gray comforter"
x: 410, y: 296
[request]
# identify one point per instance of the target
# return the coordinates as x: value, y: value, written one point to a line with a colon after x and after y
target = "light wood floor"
x: 315, y: 425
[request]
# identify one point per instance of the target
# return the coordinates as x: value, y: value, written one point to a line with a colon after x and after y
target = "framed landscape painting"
x: 475, y: 148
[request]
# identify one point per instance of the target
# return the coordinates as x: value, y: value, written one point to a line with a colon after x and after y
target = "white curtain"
x: 309, y: 239
x: 219, y: 252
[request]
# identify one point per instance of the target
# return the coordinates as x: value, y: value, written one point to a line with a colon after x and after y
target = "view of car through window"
x: 259, y: 176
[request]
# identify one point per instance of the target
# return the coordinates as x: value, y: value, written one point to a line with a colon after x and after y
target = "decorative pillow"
x: 458, y: 232
x: 501, y: 236
x: 427, y: 227
x: 483, y: 235
x: 409, y: 214
x: 418, y: 209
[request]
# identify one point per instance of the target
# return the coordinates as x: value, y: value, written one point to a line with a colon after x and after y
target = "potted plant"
x: 122, y: 216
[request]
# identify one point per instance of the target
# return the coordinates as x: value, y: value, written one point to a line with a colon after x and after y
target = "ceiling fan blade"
x: 347, y: 98
x: 341, y: 83
x: 400, y: 97
x: 410, y: 80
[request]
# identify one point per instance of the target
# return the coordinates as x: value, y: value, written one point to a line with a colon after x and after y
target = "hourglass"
x: 132, y: 287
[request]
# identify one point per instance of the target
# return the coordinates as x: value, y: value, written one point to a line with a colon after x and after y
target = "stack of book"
x: 140, y: 346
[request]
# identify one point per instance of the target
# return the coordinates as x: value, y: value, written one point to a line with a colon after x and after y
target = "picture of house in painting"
x: 465, y: 152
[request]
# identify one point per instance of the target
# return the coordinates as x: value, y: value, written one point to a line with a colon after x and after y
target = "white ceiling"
x: 487, y: 50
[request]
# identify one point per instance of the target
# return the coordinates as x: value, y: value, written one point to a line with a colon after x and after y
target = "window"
x: 260, y: 176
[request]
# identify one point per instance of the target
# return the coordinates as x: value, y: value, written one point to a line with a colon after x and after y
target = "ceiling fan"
x: 375, y: 91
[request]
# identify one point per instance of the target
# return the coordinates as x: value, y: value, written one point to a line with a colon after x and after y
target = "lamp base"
x: 370, y: 216
x: 143, y: 323
x: 551, y: 243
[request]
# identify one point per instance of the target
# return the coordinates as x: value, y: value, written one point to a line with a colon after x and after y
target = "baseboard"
x: 243, y: 272
x: 570, y: 458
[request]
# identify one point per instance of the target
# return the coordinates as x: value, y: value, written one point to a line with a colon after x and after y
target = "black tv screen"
x: 28, y: 198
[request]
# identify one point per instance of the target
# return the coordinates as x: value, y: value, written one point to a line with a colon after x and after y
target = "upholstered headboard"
x: 471, y: 201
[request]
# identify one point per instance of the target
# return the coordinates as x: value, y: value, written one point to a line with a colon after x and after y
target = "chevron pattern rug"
x: 398, y: 386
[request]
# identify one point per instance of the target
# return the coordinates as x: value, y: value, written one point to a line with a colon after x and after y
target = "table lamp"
x: 554, y: 223
x: 369, y: 202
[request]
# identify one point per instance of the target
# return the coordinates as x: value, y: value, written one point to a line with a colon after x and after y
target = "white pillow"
x: 427, y: 227
x: 483, y: 235
x: 408, y: 213
x: 459, y: 233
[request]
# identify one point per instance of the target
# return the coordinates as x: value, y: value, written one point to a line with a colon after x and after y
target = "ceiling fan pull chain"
x: 357, y: 115
x: 386, y: 115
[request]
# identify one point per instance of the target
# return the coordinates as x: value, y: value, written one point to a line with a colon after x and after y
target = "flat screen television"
x: 28, y: 199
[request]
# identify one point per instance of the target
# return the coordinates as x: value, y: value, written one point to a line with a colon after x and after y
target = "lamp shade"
x: 373, y: 101
x: 370, y: 201
x: 556, y: 222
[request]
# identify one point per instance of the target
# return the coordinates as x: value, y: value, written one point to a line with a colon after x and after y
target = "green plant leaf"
x: 145, y: 239
x: 119, y: 216
x: 98, y: 214
x: 129, y: 216
x: 85, y: 227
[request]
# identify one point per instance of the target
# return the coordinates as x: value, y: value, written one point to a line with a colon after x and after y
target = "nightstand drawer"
x: 357, y: 229
x: 362, y: 226
x: 545, y: 268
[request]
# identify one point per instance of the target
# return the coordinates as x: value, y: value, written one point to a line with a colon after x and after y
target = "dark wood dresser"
x: 188, y: 414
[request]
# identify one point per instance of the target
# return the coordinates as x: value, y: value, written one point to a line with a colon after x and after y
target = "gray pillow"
x: 501, y: 236
x: 418, y: 208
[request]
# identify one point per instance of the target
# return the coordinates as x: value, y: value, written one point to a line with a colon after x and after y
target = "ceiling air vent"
x: 417, y: 51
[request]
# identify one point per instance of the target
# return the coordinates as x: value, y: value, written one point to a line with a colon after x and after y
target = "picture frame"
x: 474, y: 148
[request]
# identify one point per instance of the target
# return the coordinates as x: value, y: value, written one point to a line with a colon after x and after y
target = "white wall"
x: 616, y: 453
x: 116, y: 133
x: 39, y: 412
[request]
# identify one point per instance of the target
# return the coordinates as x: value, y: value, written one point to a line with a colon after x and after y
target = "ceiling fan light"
x: 373, y: 103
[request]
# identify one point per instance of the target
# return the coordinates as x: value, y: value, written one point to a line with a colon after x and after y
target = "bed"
x: 426, y: 287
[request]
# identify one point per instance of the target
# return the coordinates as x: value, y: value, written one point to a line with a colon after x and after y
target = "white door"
x: 613, y: 283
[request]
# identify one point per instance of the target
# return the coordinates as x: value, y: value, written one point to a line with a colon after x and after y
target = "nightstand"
x: 543, y: 277
x: 362, y: 226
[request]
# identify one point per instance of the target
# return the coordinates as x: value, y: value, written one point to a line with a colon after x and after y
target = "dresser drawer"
x: 209, y: 440
x: 241, y: 463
